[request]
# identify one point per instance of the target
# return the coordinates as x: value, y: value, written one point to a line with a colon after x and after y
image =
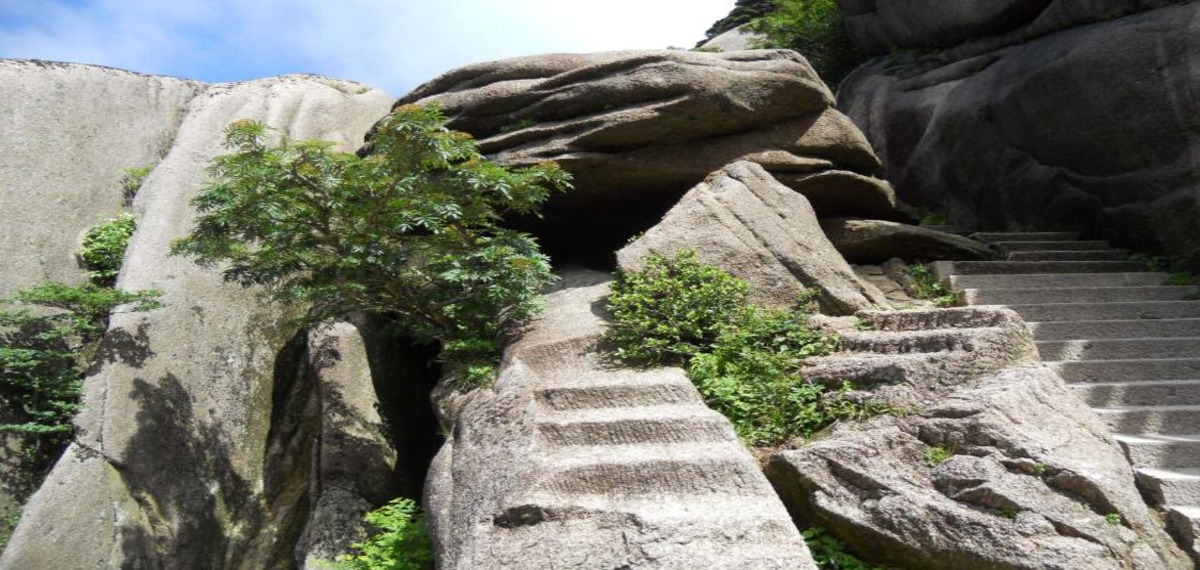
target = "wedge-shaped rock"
x: 632, y: 471
x: 744, y: 221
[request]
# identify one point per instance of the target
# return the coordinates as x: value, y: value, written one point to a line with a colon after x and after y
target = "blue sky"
x: 391, y: 44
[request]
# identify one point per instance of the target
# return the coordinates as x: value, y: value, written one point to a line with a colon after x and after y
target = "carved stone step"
x: 1127, y: 328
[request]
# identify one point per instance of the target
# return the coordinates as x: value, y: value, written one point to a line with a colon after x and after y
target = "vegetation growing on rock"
x: 744, y: 359
x: 103, y: 248
x: 47, y: 342
x: 411, y: 231
x: 814, y: 29
x: 402, y: 542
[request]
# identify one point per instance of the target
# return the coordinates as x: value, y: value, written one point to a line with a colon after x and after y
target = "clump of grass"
x: 927, y: 286
x: 937, y: 455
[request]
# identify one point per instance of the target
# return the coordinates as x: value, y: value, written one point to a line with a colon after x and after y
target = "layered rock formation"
x: 568, y: 461
x: 195, y: 446
x: 995, y: 464
x: 638, y: 129
x: 1075, y: 116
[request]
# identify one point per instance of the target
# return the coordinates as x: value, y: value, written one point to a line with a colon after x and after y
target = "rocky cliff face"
x: 217, y: 435
x: 195, y: 445
x: 1037, y: 115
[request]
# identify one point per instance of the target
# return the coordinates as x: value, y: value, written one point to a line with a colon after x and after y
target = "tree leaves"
x: 412, y: 230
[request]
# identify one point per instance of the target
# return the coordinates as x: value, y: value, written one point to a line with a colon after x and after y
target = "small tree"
x: 814, y: 29
x: 410, y: 231
x: 48, y: 335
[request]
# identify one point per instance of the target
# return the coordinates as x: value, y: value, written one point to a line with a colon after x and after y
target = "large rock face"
x: 638, y: 129
x: 880, y: 26
x: 747, y: 223
x: 1090, y: 128
x: 995, y: 465
x: 567, y: 461
x: 195, y: 445
x: 67, y: 132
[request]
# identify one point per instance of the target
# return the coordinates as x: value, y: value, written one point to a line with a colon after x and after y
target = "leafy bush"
x: 927, y: 286
x: 46, y: 344
x: 132, y: 181
x: 814, y: 29
x: 745, y: 360
x: 672, y: 309
x: 937, y: 455
x: 830, y: 553
x: 104, y: 246
x: 743, y: 12
x: 411, y: 231
x: 402, y: 542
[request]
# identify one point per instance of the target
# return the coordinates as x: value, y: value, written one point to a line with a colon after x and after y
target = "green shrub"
x: 411, y: 231
x: 830, y: 553
x: 672, y: 309
x: 46, y: 345
x: 937, y: 455
x: 104, y: 246
x: 927, y: 286
x: 745, y: 360
x: 814, y: 29
x: 402, y: 542
x: 132, y: 181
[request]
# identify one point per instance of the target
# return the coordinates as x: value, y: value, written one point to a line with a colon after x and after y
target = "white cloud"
x: 394, y: 45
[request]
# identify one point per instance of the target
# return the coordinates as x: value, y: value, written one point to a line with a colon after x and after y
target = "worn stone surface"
x: 566, y: 461
x: 876, y: 241
x: 744, y: 221
x: 1030, y: 478
x: 877, y: 27
x: 1090, y: 128
x: 67, y: 132
x: 177, y: 439
x: 638, y: 129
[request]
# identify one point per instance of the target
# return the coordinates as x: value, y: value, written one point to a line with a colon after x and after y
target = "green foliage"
x: 929, y: 218
x: 132, y: 181
x: 743, y: 12
x: 103, y: 248
x: 927, y: 286
x: 937, y: 455
x: 46, y: 342
x: 830, y: 553
x: 814, y: 29
x: 1153, y: 262
x: 7, y: 525
x: 1181, y: 278
x: 751, y: 375
x: 518, y: 125
x: 402, y: 542
x: 672, y: 309
x: 1113, y: 519
x: 745, y: 360
x: 1008, y: 512
x: 411, y: 231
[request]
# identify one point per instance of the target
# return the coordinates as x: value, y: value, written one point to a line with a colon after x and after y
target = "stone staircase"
x: 1127, y: 342
x: 619, y: 444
